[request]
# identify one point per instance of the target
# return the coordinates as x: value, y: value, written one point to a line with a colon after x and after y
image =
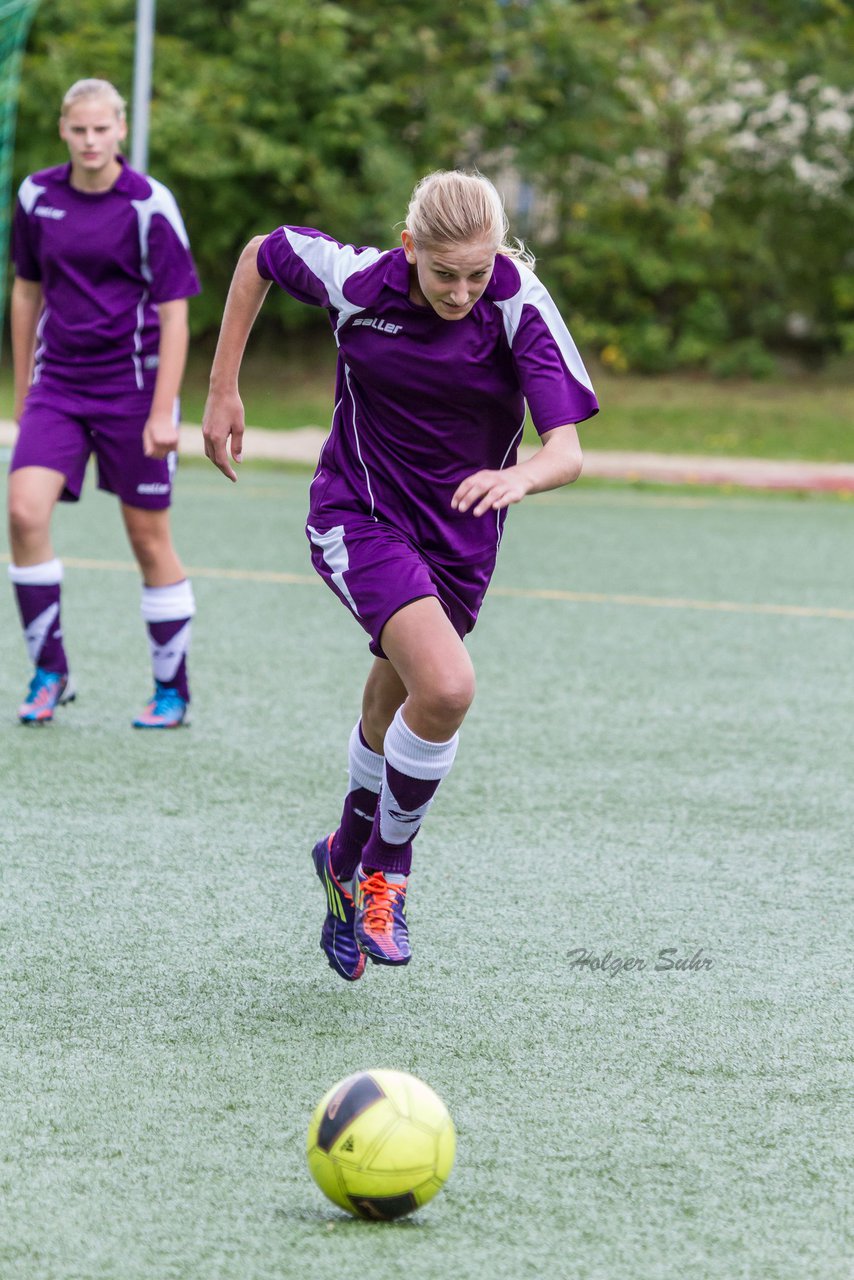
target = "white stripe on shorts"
x: 334, y: 552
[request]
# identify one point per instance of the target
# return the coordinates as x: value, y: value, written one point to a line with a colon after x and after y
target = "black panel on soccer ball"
x: 384, y: 1208
x: 362, y: 1093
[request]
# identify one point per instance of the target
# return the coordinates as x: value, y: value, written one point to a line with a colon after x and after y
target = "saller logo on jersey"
x: 372, y: 322
x: 152, y: 488
x: 45, y: 211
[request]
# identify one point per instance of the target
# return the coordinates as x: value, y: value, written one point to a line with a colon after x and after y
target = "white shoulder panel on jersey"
x: 533, y: 293
x: 28, y: 194
x: 334, y: 264
x: 163, y: 202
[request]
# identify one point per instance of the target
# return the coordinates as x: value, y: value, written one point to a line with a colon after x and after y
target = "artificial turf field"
x: 660, y: 755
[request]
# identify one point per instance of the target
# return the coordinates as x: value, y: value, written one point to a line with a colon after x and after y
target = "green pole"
x: 15, y: 19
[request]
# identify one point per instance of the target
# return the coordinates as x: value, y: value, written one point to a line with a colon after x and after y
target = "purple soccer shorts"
x: 62, y: 427
x: 376, y: 569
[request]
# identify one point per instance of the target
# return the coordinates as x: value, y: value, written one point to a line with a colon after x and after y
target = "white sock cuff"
x: 168, y: 604
x: 416, y: 757
x: 366, y: 767
x: 48, y: 574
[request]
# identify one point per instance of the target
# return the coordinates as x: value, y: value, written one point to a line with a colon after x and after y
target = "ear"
x: 62, y: 132
x: 123, y: 130
x: 408, y: 246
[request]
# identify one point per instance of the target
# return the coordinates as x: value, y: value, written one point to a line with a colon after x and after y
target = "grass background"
x: 801, y: 415
x: 633, y: 775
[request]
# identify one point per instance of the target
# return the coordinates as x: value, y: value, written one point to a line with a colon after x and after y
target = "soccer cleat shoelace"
x: 381, y: 901
x: 380, y: 925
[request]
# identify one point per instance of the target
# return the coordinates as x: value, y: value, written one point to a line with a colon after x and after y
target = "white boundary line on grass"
x: 281, y: 578
x: 666, y: 602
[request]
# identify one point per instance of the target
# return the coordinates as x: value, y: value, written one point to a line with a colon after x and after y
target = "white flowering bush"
x: 713, y: 227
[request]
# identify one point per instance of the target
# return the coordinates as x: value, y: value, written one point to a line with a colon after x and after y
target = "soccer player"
x: 441, y: 343
x: 103, y: 272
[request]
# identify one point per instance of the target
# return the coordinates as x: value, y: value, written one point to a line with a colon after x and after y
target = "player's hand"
x: 223, y: 420
x: 160, y: 435
x: 490, y: 491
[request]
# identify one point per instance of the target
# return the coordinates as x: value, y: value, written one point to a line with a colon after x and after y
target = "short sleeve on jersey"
x: 279, y: 261
x: 24, y: 251
x: 173, y: 274
x: 551, y: 380
x: 551, y: 373
x: 167, y: 263
x: 312, y: 267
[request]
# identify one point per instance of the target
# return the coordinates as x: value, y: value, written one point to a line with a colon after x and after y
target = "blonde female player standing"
x: 441, y: 342
x: 99, y: 338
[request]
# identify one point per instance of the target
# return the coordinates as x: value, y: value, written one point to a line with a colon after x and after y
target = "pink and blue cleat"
x: 380, y: 927
x: 336, y: 937
x: 166, y: 710
x: 48, y: 690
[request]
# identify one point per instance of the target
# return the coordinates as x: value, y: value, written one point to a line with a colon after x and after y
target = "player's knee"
x: 28, y: 518
x: 449, y: 695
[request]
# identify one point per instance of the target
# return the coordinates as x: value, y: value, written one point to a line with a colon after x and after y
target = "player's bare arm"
x: 27, y: 302
x: 223, y: 417
x: 160, y: 435
x: 557, y: 463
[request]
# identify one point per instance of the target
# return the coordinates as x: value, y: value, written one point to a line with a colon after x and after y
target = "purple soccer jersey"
x: 423, y: 402
x: 104, y: 261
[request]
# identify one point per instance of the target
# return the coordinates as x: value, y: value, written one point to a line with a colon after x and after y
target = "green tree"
x: 682, y: 169
x: 317, y: 114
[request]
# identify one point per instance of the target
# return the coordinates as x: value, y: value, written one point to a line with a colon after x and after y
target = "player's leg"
x: 48, y: 463
x: 384, y: 693
x: 431, y: 663
x: 36, y: 576
x: 167, y: 607
x: 144, y: 489
x: 337, y: 857
x: 381, y: 577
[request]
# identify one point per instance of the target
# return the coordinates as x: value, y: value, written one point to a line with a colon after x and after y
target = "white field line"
x: 280, y: 578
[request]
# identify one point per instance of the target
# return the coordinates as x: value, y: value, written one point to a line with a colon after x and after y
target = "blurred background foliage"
x: 683, y: 170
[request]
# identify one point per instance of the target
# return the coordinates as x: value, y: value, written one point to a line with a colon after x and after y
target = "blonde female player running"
x: 99, y: 337
x: 441, y: 342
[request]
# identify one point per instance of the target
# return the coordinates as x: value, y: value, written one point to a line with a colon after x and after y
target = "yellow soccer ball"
x: 380, y: 1144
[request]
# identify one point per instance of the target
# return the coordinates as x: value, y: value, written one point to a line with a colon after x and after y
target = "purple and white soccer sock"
x: 168, y: 612
x: 360, y: 806
x: 38, y: 588
x: 413, y: 770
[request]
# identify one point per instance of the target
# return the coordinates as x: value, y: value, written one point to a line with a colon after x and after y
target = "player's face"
x: 449, y: 277
x: 93, y: 133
